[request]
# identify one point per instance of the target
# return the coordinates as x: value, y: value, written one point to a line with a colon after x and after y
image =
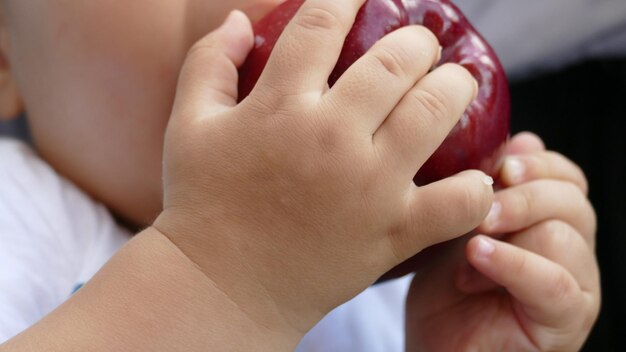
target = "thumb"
x: 208, y: 79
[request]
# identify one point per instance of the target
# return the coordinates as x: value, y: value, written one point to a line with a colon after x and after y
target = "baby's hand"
x: 536, y: 288
x: 301, y: 196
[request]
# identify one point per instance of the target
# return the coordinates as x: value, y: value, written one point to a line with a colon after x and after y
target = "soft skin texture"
x: 534, y: 284
x: 241, y: 245
x: 97, y: 79
x: 314, y: 180
x: 289, y: 197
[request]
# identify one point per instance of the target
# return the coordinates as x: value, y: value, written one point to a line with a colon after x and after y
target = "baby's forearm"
x: 150, y: 297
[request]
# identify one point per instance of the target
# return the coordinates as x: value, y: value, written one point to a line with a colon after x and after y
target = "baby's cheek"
x: 98, y: 79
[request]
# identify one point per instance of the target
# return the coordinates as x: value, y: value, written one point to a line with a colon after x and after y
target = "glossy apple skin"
x: 476, y: 142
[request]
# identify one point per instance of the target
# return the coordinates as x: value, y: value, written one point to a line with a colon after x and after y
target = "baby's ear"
x: 10, y: 101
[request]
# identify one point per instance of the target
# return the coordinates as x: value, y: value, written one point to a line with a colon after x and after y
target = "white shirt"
x: 54, y: 238
x: 371, y: 322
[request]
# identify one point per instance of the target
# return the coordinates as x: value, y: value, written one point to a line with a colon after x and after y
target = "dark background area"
x: 581, y: 112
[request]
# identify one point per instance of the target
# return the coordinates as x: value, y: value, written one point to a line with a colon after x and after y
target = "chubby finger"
x: 549, y: 295
x: 308, y: 49
x: 522, y: 168
x: 522, y: 206
x: 554, y: 240
x: 208, y: 79
x: 425, y: 116
x: 559, y: 242
x: 441, y: 211
x: 372, y: 87
x: 523, y: 143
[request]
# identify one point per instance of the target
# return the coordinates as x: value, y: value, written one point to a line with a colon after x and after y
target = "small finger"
x: 522, y: 206
x: 441, y: 211
x: 548, y: 293
x: 372, y: 87
x: 308, y: 48
x: 208, y: 79
x: 553, y: 240
x: 518, y: 169
x: 523, y: 143
x: 560, y: 243
x: 425, y: 116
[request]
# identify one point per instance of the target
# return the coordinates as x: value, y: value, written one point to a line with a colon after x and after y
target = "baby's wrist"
x: 150, y: 297
x: 197, y: 298
x: 250, y: 277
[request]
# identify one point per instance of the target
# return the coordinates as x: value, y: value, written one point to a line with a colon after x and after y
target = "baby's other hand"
x: 301, y: 196
x: 533, y: 284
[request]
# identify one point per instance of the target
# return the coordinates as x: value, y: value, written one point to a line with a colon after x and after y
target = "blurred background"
x: 566, y: 61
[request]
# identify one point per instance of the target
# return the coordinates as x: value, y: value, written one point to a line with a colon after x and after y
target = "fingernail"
x: 439, y: 54
x: 485, y: 247
x: 514, y: 168
x: 488, y: 180
x: 494, y: 213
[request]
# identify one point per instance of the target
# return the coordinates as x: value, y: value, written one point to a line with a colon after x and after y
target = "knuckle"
x: 432, y: 106
x: 317, y: 18
x: 554, y: 156
x: 469, y: 199
x: 522, y: 204
x: 397, y: 239
x: 557, y: 226
x: 472, y: 203
x: 593, y: 312
x: 396, y: 61
x: 587, y: 215
x: 329, y: 139
x: 580, y: 201
x: 536, y: 166
x: 269, y: 99
x: 519, y: 265
x: 580, y: 180
x: 576, y: 175
x: 563, y: 290
x: 262, y: 100
x: 205, y: 47
x: 556, y: 237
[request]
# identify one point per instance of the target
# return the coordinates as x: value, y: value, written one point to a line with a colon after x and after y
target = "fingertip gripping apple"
x: 478, y: 140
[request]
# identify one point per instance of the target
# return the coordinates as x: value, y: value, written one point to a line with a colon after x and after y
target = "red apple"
x: 478, y: 140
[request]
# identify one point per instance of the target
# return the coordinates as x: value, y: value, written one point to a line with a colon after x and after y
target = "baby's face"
x: 98, y: 79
